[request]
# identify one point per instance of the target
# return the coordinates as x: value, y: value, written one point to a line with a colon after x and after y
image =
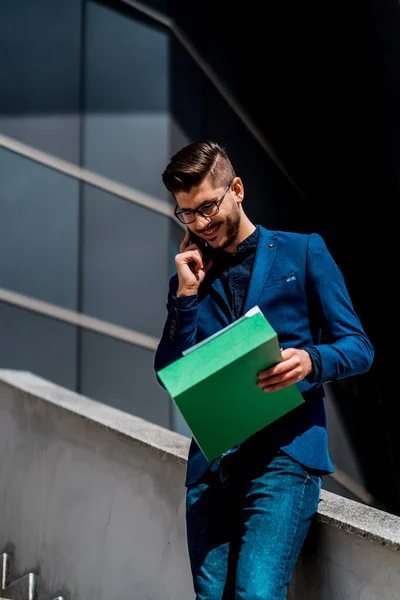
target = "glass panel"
x: 40, y: 74
x: 126, y: 98
x: 123, y: 376
x: 38, y: 230
x: 125, y: 262
x: 35, y: 343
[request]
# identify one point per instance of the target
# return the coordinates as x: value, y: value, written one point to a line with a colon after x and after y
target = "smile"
x: 211, y: 232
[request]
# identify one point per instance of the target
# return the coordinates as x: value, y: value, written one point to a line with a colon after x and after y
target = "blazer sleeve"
x: 180, y: 328
x: 345, y: 349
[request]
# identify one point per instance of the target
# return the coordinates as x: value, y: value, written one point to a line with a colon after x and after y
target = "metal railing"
x: 86, y: 176
x: 79, y: 319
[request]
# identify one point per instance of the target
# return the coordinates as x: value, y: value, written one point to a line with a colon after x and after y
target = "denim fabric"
x: 246, y: 525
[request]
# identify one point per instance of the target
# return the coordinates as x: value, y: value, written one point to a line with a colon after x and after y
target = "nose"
x: 202, y: 222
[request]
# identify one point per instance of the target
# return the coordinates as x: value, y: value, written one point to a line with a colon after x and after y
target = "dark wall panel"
x: 125, y: 254
x: 32, y: 342
x: 122, y: 376
x: 38, y: 230
x: 40, y: 74
x: 126, y: 91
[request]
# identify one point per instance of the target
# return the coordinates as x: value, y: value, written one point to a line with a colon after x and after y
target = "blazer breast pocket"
x: 284, y: 304
x: 289, y: 277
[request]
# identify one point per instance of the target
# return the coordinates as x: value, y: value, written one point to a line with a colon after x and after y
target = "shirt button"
x: 271, y: 245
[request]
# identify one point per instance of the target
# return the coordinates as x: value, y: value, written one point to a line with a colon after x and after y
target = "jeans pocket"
x: 309, y: 473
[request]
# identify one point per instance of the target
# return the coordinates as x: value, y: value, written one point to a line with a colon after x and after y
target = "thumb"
x: 288, y: 353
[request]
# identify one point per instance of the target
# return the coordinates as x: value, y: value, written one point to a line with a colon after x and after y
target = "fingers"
x: 290, y: 370
x: 190, y: 256
x: 284, y: 376
x: 279, y: 385
x: 278, y: 369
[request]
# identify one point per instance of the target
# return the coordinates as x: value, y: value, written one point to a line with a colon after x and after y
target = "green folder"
x: 214, y: 384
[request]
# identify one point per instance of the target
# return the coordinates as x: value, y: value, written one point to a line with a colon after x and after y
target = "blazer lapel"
x: 265, y: 254
x: 221, y: 299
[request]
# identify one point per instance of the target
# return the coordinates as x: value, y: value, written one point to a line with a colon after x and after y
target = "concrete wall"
x: 92, y: 499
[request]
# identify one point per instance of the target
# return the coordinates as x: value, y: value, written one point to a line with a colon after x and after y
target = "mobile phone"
x: 202, y: 245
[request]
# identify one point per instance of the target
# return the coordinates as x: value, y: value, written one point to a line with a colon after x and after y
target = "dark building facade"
x: 305, y: 98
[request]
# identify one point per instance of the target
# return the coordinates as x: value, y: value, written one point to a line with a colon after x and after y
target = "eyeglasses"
x: 208, y: 209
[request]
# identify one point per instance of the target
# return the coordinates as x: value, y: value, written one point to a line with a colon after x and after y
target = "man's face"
x: 220, y: 230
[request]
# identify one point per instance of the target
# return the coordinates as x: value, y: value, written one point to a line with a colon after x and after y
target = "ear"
x: 238, y: 189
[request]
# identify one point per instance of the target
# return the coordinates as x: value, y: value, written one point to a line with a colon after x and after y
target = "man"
x: 249, y: 510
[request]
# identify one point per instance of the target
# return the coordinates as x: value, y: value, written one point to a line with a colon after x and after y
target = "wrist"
x: 184, y: 292
x: 310, y: 365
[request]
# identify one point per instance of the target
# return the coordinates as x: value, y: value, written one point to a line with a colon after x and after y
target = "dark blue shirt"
x: 235, y: 271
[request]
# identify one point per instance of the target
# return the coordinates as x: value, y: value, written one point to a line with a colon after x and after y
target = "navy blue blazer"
x: 301, y: 291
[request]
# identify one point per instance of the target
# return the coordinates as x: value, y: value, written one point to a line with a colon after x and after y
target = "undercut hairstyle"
x: 193, y: 163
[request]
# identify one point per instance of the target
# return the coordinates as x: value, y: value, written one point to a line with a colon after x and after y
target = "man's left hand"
x: 295, y: 366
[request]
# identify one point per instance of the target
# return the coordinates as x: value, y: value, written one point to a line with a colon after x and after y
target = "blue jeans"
x: 246, y: 524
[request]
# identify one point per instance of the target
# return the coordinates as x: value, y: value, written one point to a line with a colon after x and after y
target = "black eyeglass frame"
x: 217, y: 203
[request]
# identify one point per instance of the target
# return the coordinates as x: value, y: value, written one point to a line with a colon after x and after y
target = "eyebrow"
x: 199, y: 206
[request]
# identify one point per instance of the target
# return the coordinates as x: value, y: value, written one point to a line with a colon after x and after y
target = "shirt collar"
x: 250, y: 242
x: 247, y: 245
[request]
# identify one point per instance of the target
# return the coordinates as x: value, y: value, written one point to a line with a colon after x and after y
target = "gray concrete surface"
x: 92, y: 499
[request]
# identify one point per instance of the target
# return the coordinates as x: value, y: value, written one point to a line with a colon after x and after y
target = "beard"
x: 232, y: 224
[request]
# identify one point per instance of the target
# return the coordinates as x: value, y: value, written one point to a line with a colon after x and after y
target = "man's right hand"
x: 190, y: 268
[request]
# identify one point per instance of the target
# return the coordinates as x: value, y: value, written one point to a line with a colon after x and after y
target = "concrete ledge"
x: 154, y: 437
x: 359, y: 519
x: 94, y: 501
x: 352, y: 517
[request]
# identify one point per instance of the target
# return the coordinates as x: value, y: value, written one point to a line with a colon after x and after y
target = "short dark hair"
x: 193, y: 163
